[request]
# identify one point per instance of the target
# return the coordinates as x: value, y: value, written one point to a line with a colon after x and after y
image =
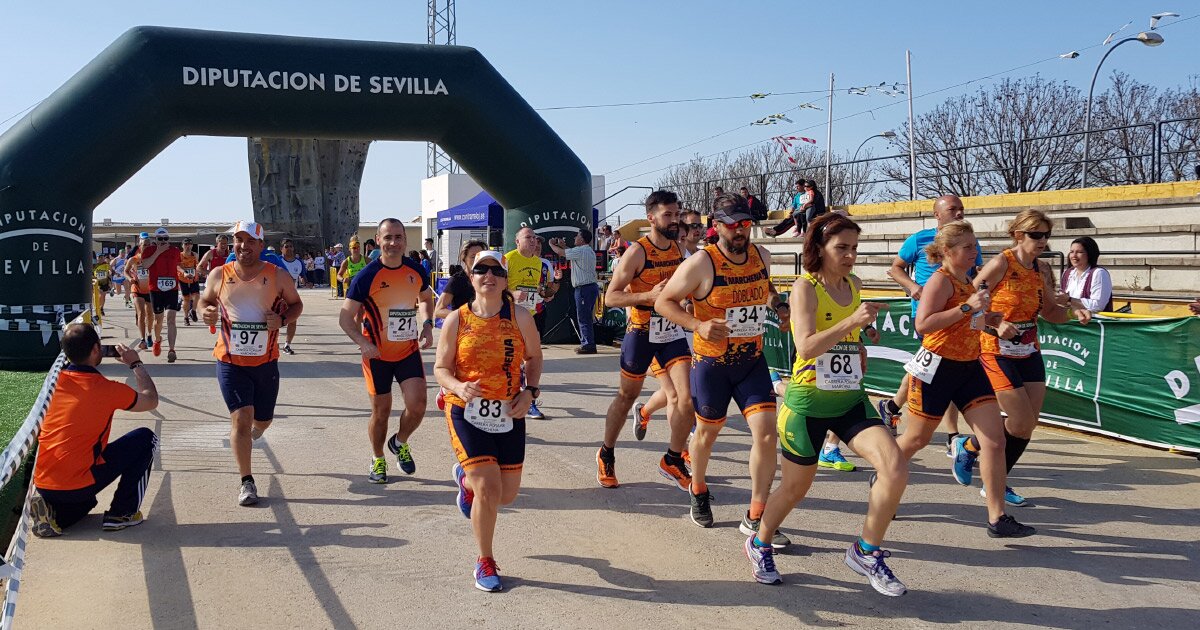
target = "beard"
x: 671, y: 231
x: 738, y: 245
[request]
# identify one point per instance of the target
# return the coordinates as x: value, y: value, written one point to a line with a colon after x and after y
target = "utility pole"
x: 829, y: 139
x: 912, y: 142
x: 441, y: 31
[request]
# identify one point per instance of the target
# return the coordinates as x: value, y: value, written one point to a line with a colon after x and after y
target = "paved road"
x: 325, y: 549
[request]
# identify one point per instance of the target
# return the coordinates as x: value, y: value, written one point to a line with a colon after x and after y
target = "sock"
x: 249, y: 478
x: 674, y: 457
x: 828, y: 448
x: 893, y: 407
x: 759, y: 543
x: 867, y: 548
x: 1014, y: 447
x: 698, y: 487
x: 607, y: 453
x: 950, y: 437
x: 756, y: 510
x: 972, y: 444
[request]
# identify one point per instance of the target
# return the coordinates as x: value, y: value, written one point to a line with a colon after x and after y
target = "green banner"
x: 1137, y: 379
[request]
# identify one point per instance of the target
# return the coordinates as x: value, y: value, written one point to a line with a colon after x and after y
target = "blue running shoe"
x: 486, y: 576
x: 1010, y: 497
x: 534, y: 413
x: 891, y: 420
x: 833, y: 459
x: 466, y: 498
x: 964, y: 460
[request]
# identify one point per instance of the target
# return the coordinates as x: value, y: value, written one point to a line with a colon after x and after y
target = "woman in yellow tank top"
x: 1023, y: 289
x: 482, y: 349
x: 826, y: 394
x: 947, y: 371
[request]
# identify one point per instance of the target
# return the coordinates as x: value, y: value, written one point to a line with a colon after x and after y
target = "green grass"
x: 18, y: 390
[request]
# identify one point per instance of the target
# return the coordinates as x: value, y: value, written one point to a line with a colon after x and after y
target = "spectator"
x: 799, y: 201
x: 1084, y: 280
x: 583, y: 277
x: 1195, y: 306
x: 75, y: 460
x: 711, y: 237
x: 717, y: 192
x: 616, y: 258
x: 758, y: 209
x: 319, y: 275
x: 603, y: 238
x: 815, y: 206
x: 426, y: 263
x: 371, y: 249
x: 431, y: 255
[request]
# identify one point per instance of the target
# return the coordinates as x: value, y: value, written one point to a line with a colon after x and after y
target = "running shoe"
x: 255, y: 432
x: 43, y: 525
x: 378, y: 471
x: 194, y: 317
x: 171, y: 356
x: 763, y: 559
x: 872, y: 566
x: 534, y: 413
x: 677, y: 473
x: 486, y: 576
x: 1010, y: 497
x: 833, y: 459
x: 158, y: 347
x: 466, y: 498
x: 287, y: 348
x: 950, y: 444
x: 892, y: 420
x: 187, y: 321
x: 248, y: 495
x: 403, y: 455
x: 1008, y: 527
x: 117, y: 523
x: 701, y: 508
x: 640, y: 422
x: 749, y: 527
x: 606, y: 471
x: 964, y: 460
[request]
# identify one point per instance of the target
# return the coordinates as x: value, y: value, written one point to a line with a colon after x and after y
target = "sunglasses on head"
x: 1037, y: 236
x: 484, y: 269
x: 744, y: 224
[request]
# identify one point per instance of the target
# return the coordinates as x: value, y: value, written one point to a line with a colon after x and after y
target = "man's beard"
x: 671, y: 231
x: 738, y: 246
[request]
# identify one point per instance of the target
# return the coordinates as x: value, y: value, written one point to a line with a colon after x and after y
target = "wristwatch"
x: 135, y: 365
x: 966, y: 309
x: 536, y: 392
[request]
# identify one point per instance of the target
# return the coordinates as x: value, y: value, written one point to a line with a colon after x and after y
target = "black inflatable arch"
x: 154, y: 84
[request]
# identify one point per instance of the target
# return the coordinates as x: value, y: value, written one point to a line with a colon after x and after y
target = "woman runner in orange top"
x: 482, y: 348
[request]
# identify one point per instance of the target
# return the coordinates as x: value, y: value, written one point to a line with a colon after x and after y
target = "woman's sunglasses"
x: 1037, y: 236
x: 495, y: 270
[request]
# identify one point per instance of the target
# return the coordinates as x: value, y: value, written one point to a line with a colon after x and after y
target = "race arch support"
x: 156, y: 84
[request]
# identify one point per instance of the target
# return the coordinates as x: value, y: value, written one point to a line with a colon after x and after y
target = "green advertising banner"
x: 1136, y: 379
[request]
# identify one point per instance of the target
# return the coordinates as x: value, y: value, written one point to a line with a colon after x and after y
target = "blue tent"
x: 477, y: 212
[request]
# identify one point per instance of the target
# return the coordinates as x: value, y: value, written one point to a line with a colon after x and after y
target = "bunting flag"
x: 785, y: 143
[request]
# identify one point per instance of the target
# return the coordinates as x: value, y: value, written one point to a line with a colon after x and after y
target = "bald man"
x: 946, y: 209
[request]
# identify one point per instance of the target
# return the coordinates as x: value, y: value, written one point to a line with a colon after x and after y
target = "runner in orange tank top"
x: 947, y: 371
x: 642, y: 272
x: 249, y: 300
x: 482, y: 349
x: 730, y: 287
x: 1023, y: 288
x: 189, y: 281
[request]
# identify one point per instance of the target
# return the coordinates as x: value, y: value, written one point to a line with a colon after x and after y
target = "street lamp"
x: 890, y: 135
x: 1148, y: 38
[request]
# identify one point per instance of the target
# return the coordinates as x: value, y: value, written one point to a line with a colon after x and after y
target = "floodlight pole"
x: 912, y: 143
x: 829, y: 137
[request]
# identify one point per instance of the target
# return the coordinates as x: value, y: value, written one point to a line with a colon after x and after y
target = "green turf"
x: 18, y: 390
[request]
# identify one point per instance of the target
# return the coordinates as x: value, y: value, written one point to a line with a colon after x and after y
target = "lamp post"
x: 1148, y: 38
x: 890, y: 135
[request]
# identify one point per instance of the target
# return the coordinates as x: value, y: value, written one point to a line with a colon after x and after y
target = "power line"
x: 757, y: 96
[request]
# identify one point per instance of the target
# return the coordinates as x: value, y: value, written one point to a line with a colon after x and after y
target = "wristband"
x: 135, y: 365
x: 536, y: 392
x: 428, y: 322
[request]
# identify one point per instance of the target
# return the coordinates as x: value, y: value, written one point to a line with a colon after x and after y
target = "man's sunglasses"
x: 693, y: 226
x: 1037, y: 236
x: 495, y: 270
x: 744, y: 224
x: 163, y: 239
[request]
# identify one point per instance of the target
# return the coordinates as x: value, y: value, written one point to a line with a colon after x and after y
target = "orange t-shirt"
x: 1018, y: 296
x: 75, y: 430
x: 142, y: 284
x: 490, y: 351
x: 389, y: 297
x: 188, y: 263
x: 243, y: 338
x: 957, y: 342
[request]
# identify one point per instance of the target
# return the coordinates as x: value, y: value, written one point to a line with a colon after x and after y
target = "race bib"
x: 402, y: 324
x: 1025, y: 344
x: 166, y: 284
x: 530, y: 298
x: 189, y: 272
x: 923, y: 365
x: 663, y: 330
x: 840, y: 369
x: 746, y: 321
x: 102, y: 275
x: 491, y: 416
x: 143, y: 274
x: 249, y: 339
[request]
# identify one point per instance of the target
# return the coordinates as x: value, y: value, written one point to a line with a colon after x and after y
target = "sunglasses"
x: 693, y: 226
x: 1038, y: 236
x: 495, y: 270
x: 744, y: 224
x: 163, y: 239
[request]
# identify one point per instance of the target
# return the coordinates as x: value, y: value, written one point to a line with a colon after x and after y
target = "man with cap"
x: 162, y: 260
x: 730, y: 288
x: 393, y: 300
x: 189, y: 281
x: 249, y: 300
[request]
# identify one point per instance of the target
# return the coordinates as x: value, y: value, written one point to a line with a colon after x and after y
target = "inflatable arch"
x: 155, y: 84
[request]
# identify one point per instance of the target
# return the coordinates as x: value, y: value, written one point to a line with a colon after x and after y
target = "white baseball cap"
x: 494, y: 255
x: 255, y: 230
x: 160, y: 232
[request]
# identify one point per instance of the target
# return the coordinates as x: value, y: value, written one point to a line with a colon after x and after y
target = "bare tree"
x: 1127, y: 113
x: 1179, y: 137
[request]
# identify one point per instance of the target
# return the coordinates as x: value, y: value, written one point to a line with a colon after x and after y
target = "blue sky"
x: 581, y: 53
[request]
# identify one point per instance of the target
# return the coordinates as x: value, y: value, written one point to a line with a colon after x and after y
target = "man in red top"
x: 162, y: 260
x: 75, y: 459
x: 388, y: 296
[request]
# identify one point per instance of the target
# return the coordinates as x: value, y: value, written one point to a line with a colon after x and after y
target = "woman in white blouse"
x: 1084, y: 280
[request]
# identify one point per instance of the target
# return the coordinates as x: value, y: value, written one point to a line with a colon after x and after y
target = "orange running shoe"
x: 675, y: 472
x: 606, y: 472
x: 157, y: 347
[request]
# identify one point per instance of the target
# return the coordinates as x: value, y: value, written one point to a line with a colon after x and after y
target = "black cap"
x: 731, y: 214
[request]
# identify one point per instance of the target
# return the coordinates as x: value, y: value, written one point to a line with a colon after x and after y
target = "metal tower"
x: 441, y: 31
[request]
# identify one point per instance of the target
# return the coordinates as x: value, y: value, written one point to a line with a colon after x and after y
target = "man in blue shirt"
x: 946, y: 209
